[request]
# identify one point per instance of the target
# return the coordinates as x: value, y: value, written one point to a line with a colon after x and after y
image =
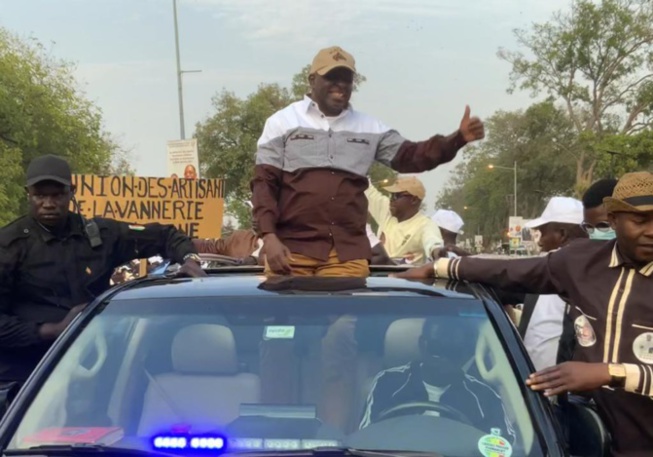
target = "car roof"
x: 244, y: 284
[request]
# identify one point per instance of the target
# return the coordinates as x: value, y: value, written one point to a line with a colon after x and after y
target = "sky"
x: 424, y: 59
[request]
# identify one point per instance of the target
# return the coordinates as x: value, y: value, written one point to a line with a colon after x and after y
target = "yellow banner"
x: 194, y: 206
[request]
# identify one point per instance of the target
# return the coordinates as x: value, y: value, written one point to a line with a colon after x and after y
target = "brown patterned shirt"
x: 612, y: 310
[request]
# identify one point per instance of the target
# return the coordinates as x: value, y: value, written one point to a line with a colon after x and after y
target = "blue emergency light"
x: 197, y: 443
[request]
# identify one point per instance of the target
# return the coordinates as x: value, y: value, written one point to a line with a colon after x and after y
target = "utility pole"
x: 515, y: 187
x: 514, y: 172
x: 180, y: 72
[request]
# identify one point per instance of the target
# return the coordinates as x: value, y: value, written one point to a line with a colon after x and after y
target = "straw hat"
x: 633, y: 194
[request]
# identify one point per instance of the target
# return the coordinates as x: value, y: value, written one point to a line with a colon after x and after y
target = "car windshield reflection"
x: 289, y: 371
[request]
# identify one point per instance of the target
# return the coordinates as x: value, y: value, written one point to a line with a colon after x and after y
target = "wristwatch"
x: 194, y: 257
x: 617, y: 375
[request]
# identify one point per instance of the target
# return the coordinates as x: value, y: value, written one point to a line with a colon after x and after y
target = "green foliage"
x: 42, y: 111
x: 545, y: 145
x: 537, y: 140
x: 227, y: 140
x: 597, y: 61
x: 629, y: 153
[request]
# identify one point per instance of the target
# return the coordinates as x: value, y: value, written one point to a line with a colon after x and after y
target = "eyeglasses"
x: 399, y: 195
x: 603, y: 226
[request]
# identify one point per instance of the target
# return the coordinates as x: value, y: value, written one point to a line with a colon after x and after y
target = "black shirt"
x: 43, y: 276
x: 405, y: 384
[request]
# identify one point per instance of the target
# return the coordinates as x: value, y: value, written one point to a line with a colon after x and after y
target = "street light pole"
x: 180, y: 72
x: 515, y: 186
x: 514, y: 171
x: 179, y: 85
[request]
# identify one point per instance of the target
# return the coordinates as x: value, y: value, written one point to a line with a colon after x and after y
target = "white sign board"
x: 183, y: 159
x: 515, y: 225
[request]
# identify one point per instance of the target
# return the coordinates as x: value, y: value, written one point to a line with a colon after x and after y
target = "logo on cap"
x: 337, y: 56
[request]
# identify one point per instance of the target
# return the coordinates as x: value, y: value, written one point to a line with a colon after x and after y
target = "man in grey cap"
x: 53, y: 262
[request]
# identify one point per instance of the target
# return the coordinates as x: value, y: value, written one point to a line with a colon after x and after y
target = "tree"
x: 535, y: 140
x: 598, y: 61
x: 626, y: 153
x: 42, y: 111
x: 227, y: 140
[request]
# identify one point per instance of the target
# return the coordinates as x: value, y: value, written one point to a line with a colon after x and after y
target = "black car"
x: 235, y: 363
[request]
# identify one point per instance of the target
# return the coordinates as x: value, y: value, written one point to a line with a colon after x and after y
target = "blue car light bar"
x: 207, y: 443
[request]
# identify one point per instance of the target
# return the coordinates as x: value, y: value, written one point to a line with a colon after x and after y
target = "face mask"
x: 599, y: 235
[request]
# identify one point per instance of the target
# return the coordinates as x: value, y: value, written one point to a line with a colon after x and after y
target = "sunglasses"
x: 601, y: 227
x: 399, y: 195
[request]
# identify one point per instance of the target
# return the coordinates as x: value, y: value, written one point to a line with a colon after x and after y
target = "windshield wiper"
x: 57, y: 450
x: 334, y: 452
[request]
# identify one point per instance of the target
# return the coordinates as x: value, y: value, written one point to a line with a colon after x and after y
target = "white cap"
x: 564, y: 210
x: 448, y: 220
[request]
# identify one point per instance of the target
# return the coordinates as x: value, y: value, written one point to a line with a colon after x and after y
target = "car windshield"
x: 384, y: 371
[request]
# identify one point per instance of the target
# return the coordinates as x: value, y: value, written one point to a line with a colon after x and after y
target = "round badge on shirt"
x: 584, y: 331
x: 643, y: 347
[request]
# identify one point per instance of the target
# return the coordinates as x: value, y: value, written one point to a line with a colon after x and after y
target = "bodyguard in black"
x: 52, y: 262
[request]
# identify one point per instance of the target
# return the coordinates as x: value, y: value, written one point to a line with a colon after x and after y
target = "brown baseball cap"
x: 632, y: 194
x: 411, y: 185
x: 329, y: 58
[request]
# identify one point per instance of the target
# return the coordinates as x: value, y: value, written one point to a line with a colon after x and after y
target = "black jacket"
x: 405, y: 384
x: 43, y: 276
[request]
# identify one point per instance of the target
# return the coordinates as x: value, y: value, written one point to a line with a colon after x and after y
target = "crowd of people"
x: 585, y: 317
x: 586, y: 321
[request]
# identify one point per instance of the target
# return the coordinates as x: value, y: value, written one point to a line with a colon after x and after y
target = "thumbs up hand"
x: 471, y: 128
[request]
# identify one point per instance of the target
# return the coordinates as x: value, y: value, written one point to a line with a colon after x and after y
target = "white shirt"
x: 544, y: 330
x: 434, y: 393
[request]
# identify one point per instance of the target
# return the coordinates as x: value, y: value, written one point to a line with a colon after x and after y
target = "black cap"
x: 49, y: 168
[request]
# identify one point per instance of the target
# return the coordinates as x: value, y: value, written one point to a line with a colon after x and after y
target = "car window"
x: 366, y: 371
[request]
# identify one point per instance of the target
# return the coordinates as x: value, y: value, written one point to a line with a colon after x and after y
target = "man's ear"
x: 311, y: 79
x: 612, y: 218
x: 564, y: 235
x: 73, y: 189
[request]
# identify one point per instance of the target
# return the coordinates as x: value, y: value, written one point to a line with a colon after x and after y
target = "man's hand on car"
x: 51, y: 330
x: 439, y: 253
x: 192, y: 269
x: 471, y: 128
x: 277, y: 255
x: 570, y: 377
x: 422, y: 272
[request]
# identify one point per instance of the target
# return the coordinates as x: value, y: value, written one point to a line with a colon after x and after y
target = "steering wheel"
x: 446, y: 410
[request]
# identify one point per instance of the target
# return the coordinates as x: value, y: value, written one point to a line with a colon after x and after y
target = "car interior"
x: 206, y: 371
